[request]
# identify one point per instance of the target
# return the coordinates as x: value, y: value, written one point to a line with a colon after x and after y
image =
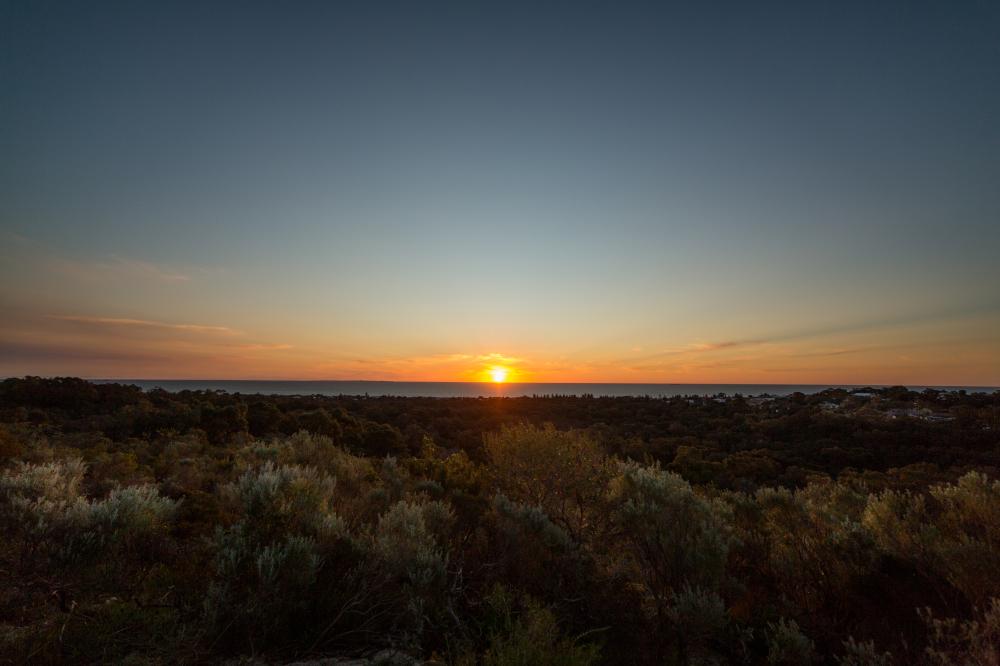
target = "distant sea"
x: 486, y: 390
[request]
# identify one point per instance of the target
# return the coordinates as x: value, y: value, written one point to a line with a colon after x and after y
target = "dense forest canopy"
x: 852, y: 527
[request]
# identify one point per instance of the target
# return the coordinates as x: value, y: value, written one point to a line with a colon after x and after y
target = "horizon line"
x: 513, y: 383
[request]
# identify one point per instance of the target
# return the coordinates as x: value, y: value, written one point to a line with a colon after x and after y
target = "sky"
x: 703, y: 192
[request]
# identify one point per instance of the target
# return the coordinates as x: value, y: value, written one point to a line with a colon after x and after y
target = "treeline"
x: 196, y: 527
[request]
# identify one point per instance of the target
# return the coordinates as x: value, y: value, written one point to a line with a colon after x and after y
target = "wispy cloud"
x: 145, y: 323
x: 264, y: 347
x: 716, y: 346
x: 54, y: 351
x: 910, y: 319
x: 692, y: 348
x: 831, y: 352
x: 109, y: 267
x: 100, y: 346
x: 434, y: 367
x: 499, y: 358
x: 144, y: 268
x: 116, y: 267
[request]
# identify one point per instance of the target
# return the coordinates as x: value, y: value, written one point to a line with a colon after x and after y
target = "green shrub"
x: 563, y: 472
x: 972, y: 642
x: 57, y: 527
x: 672, y: 536
x: 259, y: 589
x: 787, y: 645
x: 863, y: 654
x: 953, y: 535
x: 531, y: 637
x: 700, y: 617
x: 810, y: 544
x: 409, y: 542
x: 275, y: 500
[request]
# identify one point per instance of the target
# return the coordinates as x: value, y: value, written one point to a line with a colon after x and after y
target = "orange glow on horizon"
x: 140, y: 345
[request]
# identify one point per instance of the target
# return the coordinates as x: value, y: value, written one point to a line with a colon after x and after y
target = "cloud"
x: 62, y: 352
x: 457, y: 366
x: 94, y: 346
x: 902, y: 320
x: 145, y: 269
x: 910, y: 319
x: 117, y: 268
x: 11, y: 238
x: 438, y: 360
x: 832, y: 352
x: 109, y: 268
x: 145, y: 323
x: 715, y: 346
x: 264, y: 347
x: 693, y: 348
x: 499, y: 358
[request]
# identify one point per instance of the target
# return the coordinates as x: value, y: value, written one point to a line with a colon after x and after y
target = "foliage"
x: 407, y: 541
x: 863, y: 654
x: 563, y: 473
x: 530, y: 637
x: 204, y: 527
x: 787, y: 645
x: 673, y: 537
x: 952, y: 533
x: 956, y: 642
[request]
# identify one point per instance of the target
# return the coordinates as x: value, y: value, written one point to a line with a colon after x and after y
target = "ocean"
x: 484, y: 390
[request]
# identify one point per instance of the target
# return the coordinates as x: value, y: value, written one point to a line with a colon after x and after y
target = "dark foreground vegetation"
x: 840, y: 528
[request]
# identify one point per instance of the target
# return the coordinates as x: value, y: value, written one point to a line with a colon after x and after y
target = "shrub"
x: 702, y: 623
x: 900, y: 525
x: 54, y: 481
x: 564, y: 473
x: 129, y: 514
x: 811, y: 544
x: 530, y: 551
x: 275, y: 500
x: 409, y: 544
x: 59, y: 527
x: 863, y: 654
x: 968, y: 522
x: 952, y: 535
x: 266, y: 564
x: 673, y: 537
x: 531, y: 637
x: 260, y: 589
x: 973, y: 642
x: 787, y: 645
x: 408, y: 541
x: 530, y: 523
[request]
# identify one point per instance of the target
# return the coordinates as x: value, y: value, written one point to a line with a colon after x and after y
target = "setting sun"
x: 498, y: 374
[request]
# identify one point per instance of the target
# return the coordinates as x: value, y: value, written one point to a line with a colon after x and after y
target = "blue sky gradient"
x: 587, y: 191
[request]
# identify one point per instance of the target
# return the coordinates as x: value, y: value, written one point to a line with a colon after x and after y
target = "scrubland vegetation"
x: 204, y: 527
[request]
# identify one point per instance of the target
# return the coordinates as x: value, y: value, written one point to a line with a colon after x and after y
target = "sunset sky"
x: 705, y: 192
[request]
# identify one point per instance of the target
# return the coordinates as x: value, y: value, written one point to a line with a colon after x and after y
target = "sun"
x: 498, y: 374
